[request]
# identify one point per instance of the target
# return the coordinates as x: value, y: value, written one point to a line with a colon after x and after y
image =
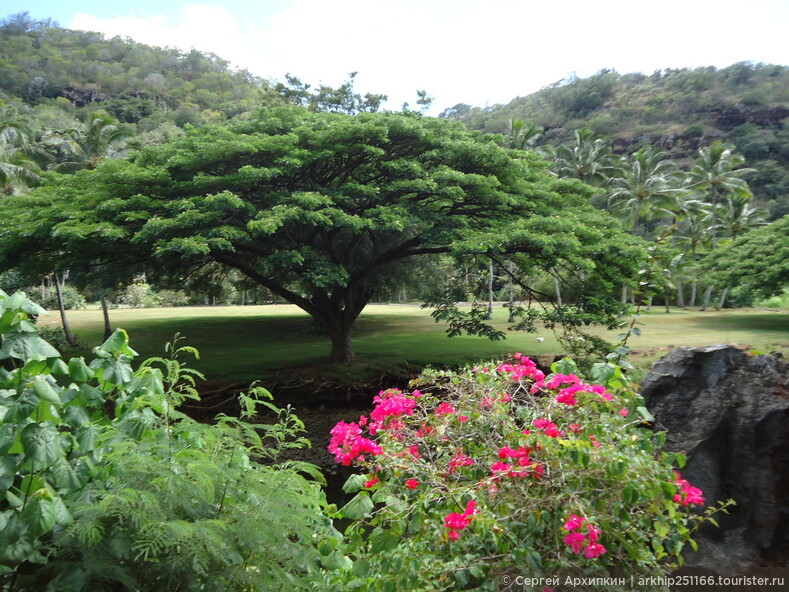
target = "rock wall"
x: 729, y: 412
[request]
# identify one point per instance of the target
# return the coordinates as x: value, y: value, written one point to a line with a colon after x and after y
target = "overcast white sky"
x: 461, y: 51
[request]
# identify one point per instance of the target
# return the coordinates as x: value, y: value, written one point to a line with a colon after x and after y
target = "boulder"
x: 729, y: 413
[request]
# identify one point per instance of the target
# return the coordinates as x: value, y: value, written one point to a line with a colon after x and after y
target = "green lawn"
x: 245, y: 343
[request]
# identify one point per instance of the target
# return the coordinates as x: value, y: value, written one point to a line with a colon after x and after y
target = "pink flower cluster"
x: 574, y: 386
x: 459, y: 460
x: 580, y: 542
x: 548, y: 427
x: 389, y: 406
x: 522, y: 464
x: 522, y: 368
x: 348, y: 445
x: 456, y: 522
x: 688, y: 494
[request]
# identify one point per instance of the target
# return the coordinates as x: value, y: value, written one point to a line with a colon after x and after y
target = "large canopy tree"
x: 319, y: 207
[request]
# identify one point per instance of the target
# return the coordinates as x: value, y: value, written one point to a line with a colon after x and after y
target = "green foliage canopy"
x: 318, y: 207
x: 757, y: 262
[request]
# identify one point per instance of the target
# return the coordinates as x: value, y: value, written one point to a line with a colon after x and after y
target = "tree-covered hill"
x: 45, y: 67
x: 679, y: 110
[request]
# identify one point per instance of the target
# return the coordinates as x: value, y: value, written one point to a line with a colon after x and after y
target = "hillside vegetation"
x: 679, y: 110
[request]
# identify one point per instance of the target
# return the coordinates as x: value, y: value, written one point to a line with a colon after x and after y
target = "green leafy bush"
x: 499, y: 472
x: 105, y: 485
x: 72, y: 299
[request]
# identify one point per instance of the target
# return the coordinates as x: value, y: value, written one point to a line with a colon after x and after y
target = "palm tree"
x: 522, y: 135
x: 648, y: 185
x: 589, y: 160
x: 88, y: 141
x: 737, y: 215
x: 715, y: 171
x: 20, y: 159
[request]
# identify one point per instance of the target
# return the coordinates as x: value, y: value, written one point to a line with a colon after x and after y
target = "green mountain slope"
x: 680, y: 110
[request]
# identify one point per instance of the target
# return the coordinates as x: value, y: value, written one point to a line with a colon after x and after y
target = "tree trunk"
x: 707, y: 296
x: 341, y: 346
x: 490, y: 290
x: 557, y: 287
x: 66, y: 328
x: 511, y: 318
x: 624, y: 294
x: 693, y: 288
x: 106, y: 312
x: 649, y: 303
x: 680, y: 295
x: 723, y: 298
x: 666, y: 301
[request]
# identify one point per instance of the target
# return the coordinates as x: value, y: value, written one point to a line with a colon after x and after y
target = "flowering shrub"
x: 500, y: 470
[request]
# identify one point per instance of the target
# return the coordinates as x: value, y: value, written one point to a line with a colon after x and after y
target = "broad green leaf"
x: 117, y: 344
x: 354, y: 483
x: 644, y: 413
x: 45, y: 391
x: 26, y: 346
x: 382, y: 541
x: 79, y: 371
x: 564, y: 366
x: 359, y: 507
x: 58, y: 366
x: 39, y: 514
x: 602, y: 372
x: 8, y: 433
x: 90, y: 395
x: 7, y: 472
x: 361, y: 567
x: 64, y: 476
x: 41, y: 444
x: 111, y: 371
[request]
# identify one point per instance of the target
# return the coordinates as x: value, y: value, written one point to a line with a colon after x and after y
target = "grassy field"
x: 245, y: 343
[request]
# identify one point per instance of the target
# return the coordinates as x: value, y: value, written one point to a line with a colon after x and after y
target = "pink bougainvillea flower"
x: 389, y: 406
x: 417, y: 393
x: 371, y: 482
x: 348, y: 445
x: 445, y: 409
x: 558, y: 380
x: 594, y: 550
x: 414, y: 451
x: 567, y: 397
x: 500, y: 467
x: 593, y: 532
x: 507, y: 452
x: 552, y: 431
x: 456, y: 522
x: 459, y: 460
x: 574, y: 427
x: 574, y: 522
x: 412, y: 484
x: 575, y: 540
x: 688, y: 494
x: 624, y: 412
x: 424, y: 430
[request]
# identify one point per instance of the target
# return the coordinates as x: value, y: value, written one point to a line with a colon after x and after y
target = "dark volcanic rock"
x: 729, y: 412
